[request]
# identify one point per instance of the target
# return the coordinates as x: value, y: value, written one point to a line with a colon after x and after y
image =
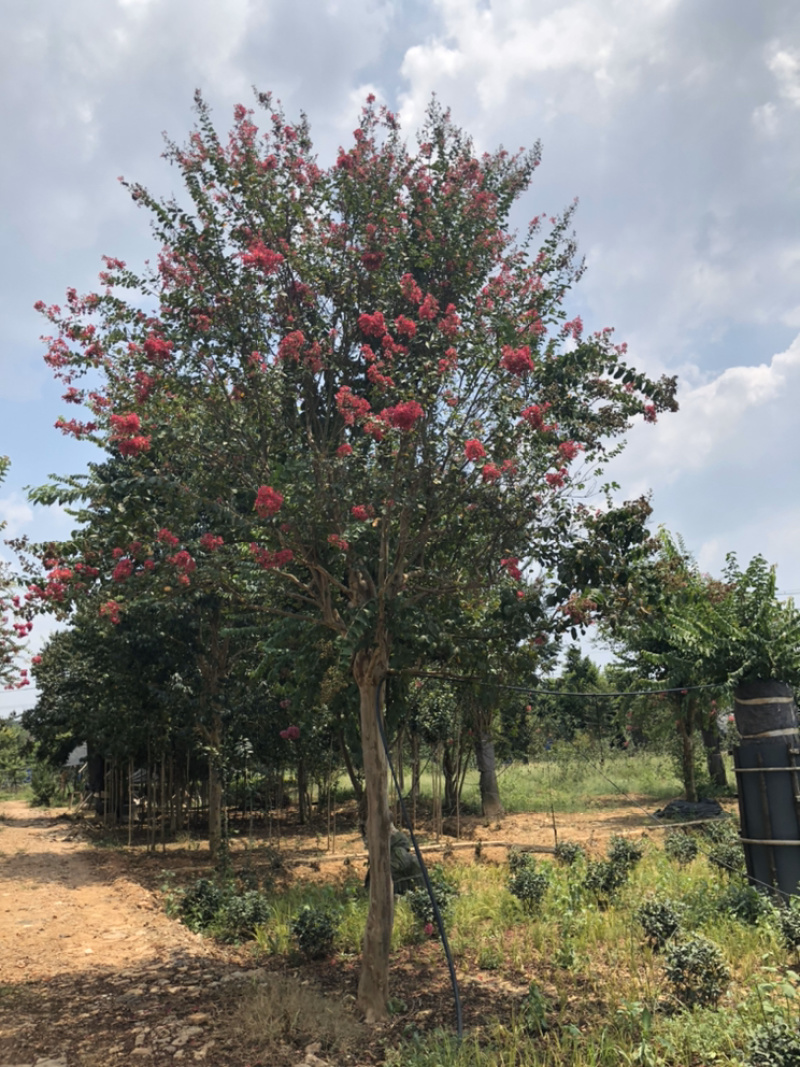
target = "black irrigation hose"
x: 437, y: 913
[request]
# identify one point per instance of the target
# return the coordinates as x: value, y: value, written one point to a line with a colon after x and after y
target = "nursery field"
x: 613, y: 941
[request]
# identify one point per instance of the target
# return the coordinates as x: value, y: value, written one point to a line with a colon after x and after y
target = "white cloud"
x: 15, y: 513
x: 785, y: 65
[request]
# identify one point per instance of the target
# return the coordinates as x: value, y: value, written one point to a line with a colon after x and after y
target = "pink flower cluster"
x: 474, y: 450
x: 511, y: 564
x: 268, y: 502
x: 270, y: 560
x: 516, y: 361
x: 211, y: 542
x: 262, y: 258
x: 403, y: 416
x: 125, y: 434
x: 291, y: 733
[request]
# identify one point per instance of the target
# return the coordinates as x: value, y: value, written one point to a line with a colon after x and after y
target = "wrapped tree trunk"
x: 369, y: 671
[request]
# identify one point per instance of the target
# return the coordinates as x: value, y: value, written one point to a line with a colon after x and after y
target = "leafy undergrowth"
x: 639, y: 956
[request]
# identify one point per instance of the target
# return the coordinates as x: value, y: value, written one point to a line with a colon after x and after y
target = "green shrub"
x: 623, y: 852
x: 239, y: 915
x: 443, y: 890
x: 744, y: 903
x: 659, y: 920
x: 603, y: 878
x: 728, y: 856
x: 529, y: 885
x: 534, y: 1011
x: 680, y: 846
x: 697, y: 971
x: 314, y: 930
x: 774, y: 1045
x: 44, y: 784
x: 788, y: 920
x: 568, y: 852
x: 200, y: 904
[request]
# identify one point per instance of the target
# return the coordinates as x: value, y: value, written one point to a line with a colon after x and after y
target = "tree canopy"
x: 351, y: 396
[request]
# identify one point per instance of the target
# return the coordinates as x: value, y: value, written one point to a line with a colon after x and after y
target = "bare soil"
x: 93, y: 971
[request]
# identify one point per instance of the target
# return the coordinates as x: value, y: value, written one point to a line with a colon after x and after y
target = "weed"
x: 744, y: 903
x: 775, y: 1044
x: 199, y: 905
x: 697, y: 971
x: 534, y: 1012
x: 238, y: 917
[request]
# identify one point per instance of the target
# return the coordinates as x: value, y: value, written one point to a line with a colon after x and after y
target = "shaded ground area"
x: 92, y: 971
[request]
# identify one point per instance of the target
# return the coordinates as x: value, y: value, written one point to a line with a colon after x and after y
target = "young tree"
x: 15, y: 620
x: 368, y: 363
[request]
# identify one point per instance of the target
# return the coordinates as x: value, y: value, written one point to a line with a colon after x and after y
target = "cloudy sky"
x: 674, y: 121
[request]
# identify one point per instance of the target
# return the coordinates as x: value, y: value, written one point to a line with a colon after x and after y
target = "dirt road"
x: 91, y: 969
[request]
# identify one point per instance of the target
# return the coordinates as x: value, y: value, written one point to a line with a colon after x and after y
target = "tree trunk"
x: 358, y: 789
x: 450, y: 771
x: 687, y: 760
x: 491, y: 805
x: 215, y: 789
x: 369, y: 671
x: 714, y: 760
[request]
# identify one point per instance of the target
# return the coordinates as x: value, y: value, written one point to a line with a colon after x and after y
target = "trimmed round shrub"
x: 200, y: 903
x: 314, y: 930
x: 603, y: 878
x: 680, y: 846
x: 239, y: 915
x: 624, y: 852
x: 529, y: 885
x: 568, y: 852
x: 659, y: 920
x: 697, y: 971
x: 443, y: 890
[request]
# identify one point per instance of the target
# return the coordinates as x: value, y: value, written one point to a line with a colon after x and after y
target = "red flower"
x: 351, y: 407
x: 650, y: 413
x: 132, y: 446
x: 556, y: 480
x: 403, y: 416
x: 111, y: 611
x: 569, y: 450
x: 490, y: 472
x: 534, y: 416
x: 183, y: 561
x: 372, y: 325
x: 338, y: 542
x: 373, y: 260
x: 258, y: 255
x: 157, y: 349
x: 268, y: 502
x: 123, y: 570
x: 429, y: 308
x: 36, y: 660
x: 166, y: 537
x: 411, y: 291
x: 517, y: 360
x: 405, y: 327
x: 291, y: 345
x: 450, y: 362
x: 125, y: 425
x: 344, y: 450
x: 474, y: 450
x: 451, y: 321
x: 269, y: 560
x: 510, y: 564
x: 210, y: 542
x: 362, y: 512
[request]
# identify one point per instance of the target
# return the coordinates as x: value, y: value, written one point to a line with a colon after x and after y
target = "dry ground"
x: 93, y: 972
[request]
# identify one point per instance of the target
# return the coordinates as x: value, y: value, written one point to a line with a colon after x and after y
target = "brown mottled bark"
x: 369, y: 671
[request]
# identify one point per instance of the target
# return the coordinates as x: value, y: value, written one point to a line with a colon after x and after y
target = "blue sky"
x: 674, y: 121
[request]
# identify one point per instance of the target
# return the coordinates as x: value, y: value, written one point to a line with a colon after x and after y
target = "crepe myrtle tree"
x: 364, y: 360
